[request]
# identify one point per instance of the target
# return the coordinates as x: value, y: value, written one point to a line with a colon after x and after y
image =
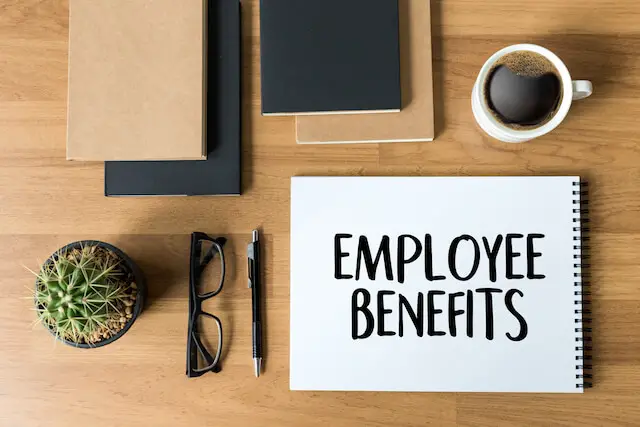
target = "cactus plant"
x: 84, y: 295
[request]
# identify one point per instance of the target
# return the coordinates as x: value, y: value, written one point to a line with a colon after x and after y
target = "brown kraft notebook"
x: 136, y: 80
x: 415, y: 121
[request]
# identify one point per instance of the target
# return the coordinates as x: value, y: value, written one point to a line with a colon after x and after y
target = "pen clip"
x: 250, y: 262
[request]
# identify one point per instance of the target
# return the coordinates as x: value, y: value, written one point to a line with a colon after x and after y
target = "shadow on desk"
x: 601, y: 58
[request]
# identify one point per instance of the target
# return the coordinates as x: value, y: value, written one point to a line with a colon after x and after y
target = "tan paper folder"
x: 136, y: 80
x: 415, y: 121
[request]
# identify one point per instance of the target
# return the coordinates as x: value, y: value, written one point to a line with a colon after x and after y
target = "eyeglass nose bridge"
x: 198, y: 305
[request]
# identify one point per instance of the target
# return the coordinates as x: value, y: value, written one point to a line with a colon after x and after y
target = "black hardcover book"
x: 220, y: 174
x: 329, y: 56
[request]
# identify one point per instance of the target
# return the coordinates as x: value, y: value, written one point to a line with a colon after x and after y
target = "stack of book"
x: 155, y: 85
x: 351, y: 71
x: 154, y: 91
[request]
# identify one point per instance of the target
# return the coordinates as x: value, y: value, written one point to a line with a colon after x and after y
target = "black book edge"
x: 330, y: 112
x: 582, y: 293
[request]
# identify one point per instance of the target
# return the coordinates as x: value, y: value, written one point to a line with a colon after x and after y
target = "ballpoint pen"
x: 253, y: 254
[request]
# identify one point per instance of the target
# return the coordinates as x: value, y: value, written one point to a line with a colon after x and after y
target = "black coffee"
x: 524, y: 90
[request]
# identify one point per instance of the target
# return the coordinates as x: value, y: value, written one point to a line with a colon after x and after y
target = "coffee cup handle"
x: 582, y: 89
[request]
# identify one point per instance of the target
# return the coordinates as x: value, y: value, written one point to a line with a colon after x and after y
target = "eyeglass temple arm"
x: 211, y: 253
x: 201, y: 348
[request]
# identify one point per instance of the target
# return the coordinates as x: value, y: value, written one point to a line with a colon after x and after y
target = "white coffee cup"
x: 573, y: 90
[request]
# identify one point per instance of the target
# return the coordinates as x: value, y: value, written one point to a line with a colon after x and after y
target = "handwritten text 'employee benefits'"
x: 371, y: 314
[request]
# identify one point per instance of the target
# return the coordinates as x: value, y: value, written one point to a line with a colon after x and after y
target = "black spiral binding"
x: 582, y: 286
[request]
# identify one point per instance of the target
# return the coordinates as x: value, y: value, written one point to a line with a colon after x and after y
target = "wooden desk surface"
x: 46, y: 202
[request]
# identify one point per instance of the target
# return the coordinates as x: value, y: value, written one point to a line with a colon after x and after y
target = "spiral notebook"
x: 470, y: 284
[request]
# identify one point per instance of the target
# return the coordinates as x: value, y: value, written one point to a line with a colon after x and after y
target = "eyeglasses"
x: 206, y: 277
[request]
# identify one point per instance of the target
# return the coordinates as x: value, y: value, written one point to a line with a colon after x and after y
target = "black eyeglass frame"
x: 194, y: 343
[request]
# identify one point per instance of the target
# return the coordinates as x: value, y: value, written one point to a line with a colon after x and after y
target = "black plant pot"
x: 130, y: 267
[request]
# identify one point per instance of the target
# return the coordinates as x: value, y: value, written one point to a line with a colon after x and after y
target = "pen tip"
x: 255, y: 235
x: 257, y: 365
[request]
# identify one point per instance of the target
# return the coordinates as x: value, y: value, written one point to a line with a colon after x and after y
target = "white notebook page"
x: 338, y: 342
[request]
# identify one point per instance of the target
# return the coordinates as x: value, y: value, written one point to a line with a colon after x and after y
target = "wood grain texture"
x: 46, y: 202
